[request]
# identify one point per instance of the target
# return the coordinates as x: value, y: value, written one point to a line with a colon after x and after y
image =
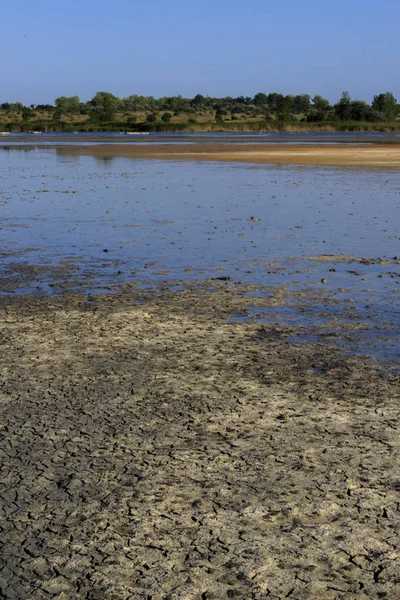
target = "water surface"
x: 86, y: 223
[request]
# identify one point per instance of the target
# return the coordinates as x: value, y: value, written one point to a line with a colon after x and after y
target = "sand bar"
x: 365, y: 155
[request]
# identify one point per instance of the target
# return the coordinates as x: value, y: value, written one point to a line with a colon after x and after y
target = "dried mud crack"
x: 152, y: 449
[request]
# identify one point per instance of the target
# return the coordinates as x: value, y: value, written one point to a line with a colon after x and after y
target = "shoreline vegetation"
x: 262, y: 113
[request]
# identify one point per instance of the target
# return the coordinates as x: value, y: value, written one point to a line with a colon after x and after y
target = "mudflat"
x: 153, y: 448
x: 200, y: 421
x: 367, y: 155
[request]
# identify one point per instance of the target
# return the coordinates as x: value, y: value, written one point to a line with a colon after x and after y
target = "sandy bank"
x: 385, y: 155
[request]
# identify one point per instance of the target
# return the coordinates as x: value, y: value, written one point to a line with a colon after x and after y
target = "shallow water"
x: 76, y: 222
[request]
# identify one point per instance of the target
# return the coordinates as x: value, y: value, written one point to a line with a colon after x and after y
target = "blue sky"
x: 216, y: 47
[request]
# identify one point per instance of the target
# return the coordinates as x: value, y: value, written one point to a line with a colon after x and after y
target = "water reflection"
x: 23, y: 148
x: 65, y: 154
x: 104, y: 161
x: 66, y: 157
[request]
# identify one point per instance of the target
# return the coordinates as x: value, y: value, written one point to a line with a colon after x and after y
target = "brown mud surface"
x: 367, y: 155
x: 153, y: 448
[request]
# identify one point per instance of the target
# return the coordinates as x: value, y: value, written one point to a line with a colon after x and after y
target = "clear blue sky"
x: 215, y: 47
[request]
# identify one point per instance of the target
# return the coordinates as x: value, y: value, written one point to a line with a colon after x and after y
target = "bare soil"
x: 153, y: 448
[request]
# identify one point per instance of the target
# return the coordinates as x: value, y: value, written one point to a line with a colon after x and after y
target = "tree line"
x: 104, y: 106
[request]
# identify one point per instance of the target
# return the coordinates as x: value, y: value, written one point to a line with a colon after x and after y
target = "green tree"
x: 260, y: 99
x: 104, y: 106
x: 67, y: 105
x: 17, y: 107
x: 177, y: 104
x: 301, y: 103
x: 284, y: 107
x: 320, y: 103
x: 45, y: 107
x: 359, y: 111
x: 135, y: 102
x: 166, y: 117
x: 273, y: 100
x: 27, y: 113
x: 387, y: 105
x: 343, y: 107
x: 198, y: 100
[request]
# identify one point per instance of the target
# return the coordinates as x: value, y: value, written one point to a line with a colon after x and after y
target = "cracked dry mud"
x: 152, y: 449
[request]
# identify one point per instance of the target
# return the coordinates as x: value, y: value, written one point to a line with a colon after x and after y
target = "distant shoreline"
x: 227, y: 127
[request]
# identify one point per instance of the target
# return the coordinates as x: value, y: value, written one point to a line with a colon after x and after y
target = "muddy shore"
x: 368, y: 155
x: 153, y: 448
